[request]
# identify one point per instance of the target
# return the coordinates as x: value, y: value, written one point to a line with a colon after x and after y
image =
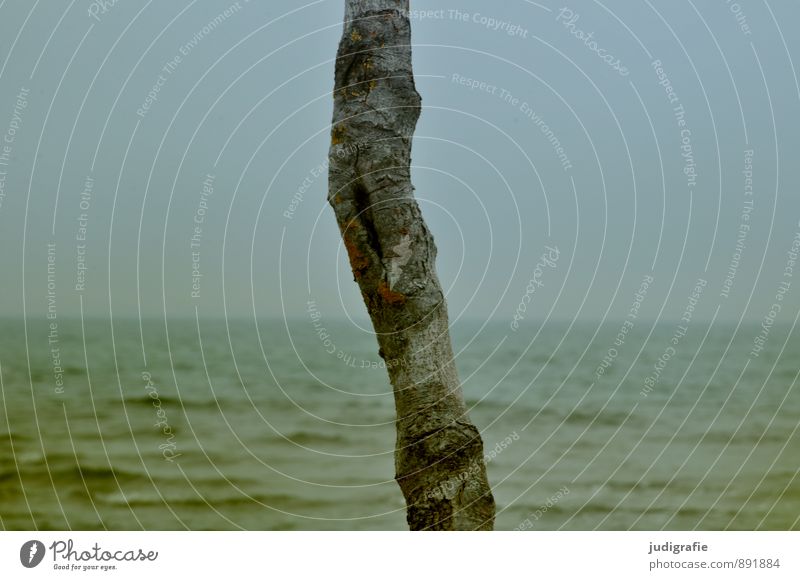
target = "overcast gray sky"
x: 617, y: 133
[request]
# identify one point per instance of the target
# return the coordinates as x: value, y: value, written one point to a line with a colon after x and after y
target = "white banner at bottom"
x: 388, y: 555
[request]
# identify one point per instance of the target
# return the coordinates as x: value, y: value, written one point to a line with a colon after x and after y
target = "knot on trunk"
x: 443, y: 479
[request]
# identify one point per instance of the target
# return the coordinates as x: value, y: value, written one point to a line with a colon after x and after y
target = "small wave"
x: 95, y: 474
x: 147, y: 401
x: 65, y: 472
x: 654, y: 484
x: 742, y: 438
x: 486, y: 403
x: 309, y: 438
x: 12, y: 437
x: 152, y: 498
x: 177, y: 403
x: 7, y: 475
x: 588, y: 417
x: 33, y: 456
x: 596, y: 508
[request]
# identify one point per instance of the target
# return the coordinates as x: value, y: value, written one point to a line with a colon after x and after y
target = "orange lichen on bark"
x: 358, y: 261
x: 390, y: 296
x: 337, y: 135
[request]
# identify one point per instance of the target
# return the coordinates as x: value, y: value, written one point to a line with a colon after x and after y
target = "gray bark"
x: 439, y: 454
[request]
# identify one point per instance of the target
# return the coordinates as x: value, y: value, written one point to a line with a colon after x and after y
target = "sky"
x: 573, y: 161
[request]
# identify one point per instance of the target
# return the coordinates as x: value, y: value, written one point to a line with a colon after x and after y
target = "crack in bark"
x: 363, y: 208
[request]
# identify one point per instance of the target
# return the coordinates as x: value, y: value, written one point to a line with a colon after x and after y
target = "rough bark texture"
x: 439, y: 454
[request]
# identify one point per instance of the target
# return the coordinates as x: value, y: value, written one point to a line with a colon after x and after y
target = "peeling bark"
x: 439, y: 454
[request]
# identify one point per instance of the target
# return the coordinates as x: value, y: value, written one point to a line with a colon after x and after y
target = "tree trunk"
x: 439, y: 454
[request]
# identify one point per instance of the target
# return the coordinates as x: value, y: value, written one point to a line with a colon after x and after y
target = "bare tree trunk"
x: 439, y: 454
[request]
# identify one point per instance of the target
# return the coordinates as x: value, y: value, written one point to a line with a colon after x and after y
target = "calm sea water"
x: 224, y: 426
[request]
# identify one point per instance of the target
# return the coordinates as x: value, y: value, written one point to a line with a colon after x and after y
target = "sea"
x: 276, y: 424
